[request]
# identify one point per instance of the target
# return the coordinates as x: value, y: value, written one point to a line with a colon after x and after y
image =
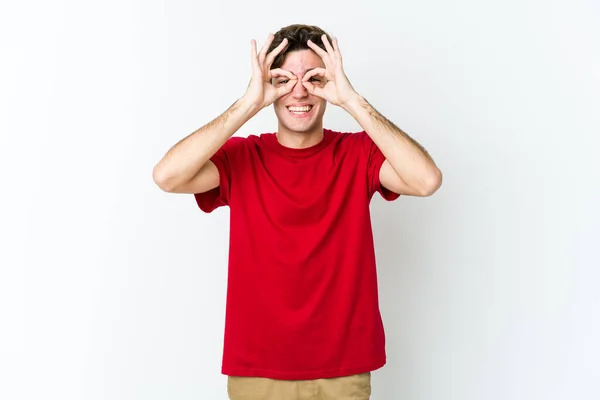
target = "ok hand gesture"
x: 261, y: 93
x: 337, y: 90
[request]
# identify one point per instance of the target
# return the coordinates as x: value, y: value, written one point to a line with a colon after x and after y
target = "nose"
x: 299, y: 91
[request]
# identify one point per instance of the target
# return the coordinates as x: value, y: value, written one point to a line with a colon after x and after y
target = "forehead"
x: 299, y: 61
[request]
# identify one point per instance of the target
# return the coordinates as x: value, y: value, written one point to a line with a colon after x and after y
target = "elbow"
x: 162, y: 180
x: 432, y: 183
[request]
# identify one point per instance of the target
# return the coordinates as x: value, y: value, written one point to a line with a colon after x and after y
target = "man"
x: 302, y: 319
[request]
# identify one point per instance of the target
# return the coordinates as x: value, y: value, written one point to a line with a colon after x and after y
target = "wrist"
x: 247, y: 106
x: 354, y: 102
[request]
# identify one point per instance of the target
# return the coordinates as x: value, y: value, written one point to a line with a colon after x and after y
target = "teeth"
x: 300, y: 109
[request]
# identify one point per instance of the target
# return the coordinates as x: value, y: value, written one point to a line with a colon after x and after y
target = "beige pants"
x: 354, y: 387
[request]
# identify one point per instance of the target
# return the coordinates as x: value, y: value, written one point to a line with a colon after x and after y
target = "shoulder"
x: 257, y: 139
x: 241, y: 143
x: 358, y: 139
x: 233, y: 143
x: 345, y: 134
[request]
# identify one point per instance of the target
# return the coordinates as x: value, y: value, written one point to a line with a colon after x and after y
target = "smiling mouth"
x: 299, y: 111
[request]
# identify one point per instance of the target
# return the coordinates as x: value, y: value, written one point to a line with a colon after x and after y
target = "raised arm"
x: 186, y: 167
x: 408, y: 168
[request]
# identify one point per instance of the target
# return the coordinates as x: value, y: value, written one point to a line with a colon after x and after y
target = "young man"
x: 302, y: 319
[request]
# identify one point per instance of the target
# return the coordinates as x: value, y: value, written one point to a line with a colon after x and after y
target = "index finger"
x: 315, y: 71
x: 282, y: 72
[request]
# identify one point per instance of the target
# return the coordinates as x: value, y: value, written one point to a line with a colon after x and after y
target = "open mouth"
x: 300, y: 111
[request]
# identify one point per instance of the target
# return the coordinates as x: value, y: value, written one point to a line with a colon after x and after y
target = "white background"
x: 112, y: 289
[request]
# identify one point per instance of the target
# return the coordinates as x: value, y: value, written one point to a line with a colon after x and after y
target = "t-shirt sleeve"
x: 223, y: 160
x: 375, y: 161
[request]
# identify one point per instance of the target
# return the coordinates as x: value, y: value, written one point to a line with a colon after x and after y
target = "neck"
x: 299, y: 140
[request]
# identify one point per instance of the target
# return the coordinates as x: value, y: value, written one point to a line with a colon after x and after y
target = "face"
x: 299, y: 111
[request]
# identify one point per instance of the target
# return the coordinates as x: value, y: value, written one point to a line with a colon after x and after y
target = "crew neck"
x: 271, y: 140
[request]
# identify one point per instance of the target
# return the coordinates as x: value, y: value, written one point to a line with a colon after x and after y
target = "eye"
x: 315, y: 79
x: 282, y: 81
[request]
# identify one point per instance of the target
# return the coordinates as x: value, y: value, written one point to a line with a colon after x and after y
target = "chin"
x: 306, y: 123
x: 299, y: 128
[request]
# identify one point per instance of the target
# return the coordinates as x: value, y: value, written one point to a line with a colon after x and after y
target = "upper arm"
x: 206, y: 179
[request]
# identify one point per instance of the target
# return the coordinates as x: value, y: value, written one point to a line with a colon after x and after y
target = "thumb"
x: 289, y: 86
x: 317, y: 91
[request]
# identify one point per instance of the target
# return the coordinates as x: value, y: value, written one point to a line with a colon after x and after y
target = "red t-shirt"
x: 302, y: 298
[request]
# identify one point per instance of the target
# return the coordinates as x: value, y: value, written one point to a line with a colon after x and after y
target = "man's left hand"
x: 337, y: 89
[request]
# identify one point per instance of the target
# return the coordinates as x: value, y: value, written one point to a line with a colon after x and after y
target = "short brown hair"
x: 297, y: 36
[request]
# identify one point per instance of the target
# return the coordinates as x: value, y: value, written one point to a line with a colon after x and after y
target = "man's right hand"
x: 261, y: 92
x: 186, y: 168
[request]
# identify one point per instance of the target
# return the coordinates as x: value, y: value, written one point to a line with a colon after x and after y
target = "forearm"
x: 408, y: 158
x: 183, y: 161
